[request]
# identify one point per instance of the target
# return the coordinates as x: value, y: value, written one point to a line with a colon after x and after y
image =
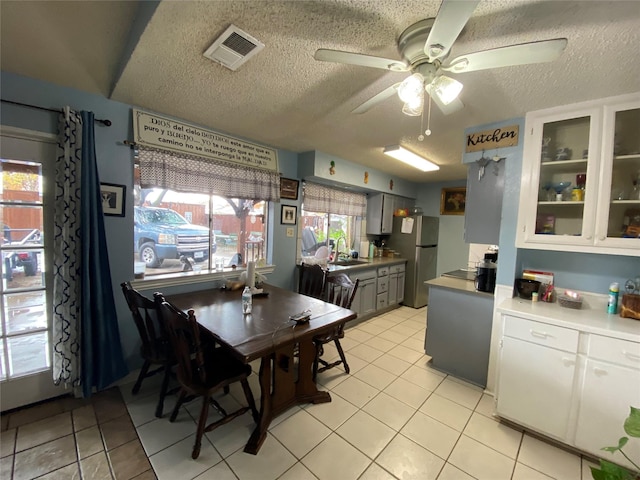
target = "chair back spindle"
x: 341, y: 290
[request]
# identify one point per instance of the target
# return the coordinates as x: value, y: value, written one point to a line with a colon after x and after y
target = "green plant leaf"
x: 599, y: 474
x: 610, y: 471
x: 632, y: 423
x: 621, y: 443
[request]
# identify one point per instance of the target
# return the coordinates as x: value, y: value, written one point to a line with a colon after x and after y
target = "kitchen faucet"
x: 338, y: 252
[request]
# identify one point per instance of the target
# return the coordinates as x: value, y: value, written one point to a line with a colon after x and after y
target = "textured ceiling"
x: 284, y: 98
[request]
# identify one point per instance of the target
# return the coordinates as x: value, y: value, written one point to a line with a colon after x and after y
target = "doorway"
x: 27, y: 185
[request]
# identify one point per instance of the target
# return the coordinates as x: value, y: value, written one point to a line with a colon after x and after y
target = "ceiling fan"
x: 424, y: 48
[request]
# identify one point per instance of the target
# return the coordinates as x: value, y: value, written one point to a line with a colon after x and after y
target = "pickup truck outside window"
x: 179, y: 231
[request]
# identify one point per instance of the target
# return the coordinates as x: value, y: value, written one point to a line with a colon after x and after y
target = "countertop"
x: 367, y: 263
x: 456, y: 284
x: 592, y: 317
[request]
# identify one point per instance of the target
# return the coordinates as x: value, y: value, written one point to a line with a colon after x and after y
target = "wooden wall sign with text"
x: 491, y: 139
x: 156, y: 131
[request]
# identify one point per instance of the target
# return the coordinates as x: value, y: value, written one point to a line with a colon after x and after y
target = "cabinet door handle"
x: 538, y: 334
x: 599, y: 371
x: 588, y: 237
x: 602, y: 239
x: 568, y: 362
x: 630, y: 355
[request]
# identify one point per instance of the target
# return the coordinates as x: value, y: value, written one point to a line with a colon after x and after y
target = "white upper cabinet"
x: 580, y: 187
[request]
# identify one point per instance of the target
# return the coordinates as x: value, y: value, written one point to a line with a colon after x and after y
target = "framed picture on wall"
x: 112, y: 199
x: 289, y: 188
x: 453, y: 200
x: 288, y: 215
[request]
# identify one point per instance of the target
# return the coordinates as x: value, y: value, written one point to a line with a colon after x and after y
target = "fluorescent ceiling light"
x: 410, y: 158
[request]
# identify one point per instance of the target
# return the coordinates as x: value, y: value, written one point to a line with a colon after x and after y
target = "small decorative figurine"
x: 390, y: 184
x: 332, y: 168
x: 366, y: 177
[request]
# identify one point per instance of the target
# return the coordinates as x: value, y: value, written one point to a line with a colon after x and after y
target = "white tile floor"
x: 393, y: 417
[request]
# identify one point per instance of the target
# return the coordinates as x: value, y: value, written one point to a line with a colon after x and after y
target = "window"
x: 24, y: 339
x: 177, y: 231
x: 338, y: 228
x: 337, y: 232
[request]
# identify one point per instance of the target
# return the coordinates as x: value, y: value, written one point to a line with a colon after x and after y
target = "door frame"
x: 38, y: 386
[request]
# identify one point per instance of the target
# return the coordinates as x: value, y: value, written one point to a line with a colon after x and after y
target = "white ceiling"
x: 284, y: 98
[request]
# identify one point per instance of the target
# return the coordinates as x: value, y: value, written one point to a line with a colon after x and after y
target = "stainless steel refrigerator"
x: 420, y: 247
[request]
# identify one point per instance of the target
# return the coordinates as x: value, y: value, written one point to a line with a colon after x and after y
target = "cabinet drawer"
x: 622, y: 352
x: 364, y: 275
x: 381, y: 301
x: 541, y: 333
x: 383, y: 284
x: 397, y: 268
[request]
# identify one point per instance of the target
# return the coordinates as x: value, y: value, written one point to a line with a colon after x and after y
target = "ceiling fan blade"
x: 522, y: 54
x: 376, y: 99
x: 337, y: 56
x: 447, y: 109
x: 452, y: 16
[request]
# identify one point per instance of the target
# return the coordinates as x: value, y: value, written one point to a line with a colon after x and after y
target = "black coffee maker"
x: 485, y: 280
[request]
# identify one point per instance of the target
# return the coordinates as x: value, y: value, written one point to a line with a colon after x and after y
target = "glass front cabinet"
x: 580, y: 187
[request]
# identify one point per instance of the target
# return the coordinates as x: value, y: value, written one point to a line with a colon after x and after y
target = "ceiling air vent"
x: 233, y: 48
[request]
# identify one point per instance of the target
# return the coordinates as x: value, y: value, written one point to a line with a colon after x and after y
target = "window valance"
x: 194, y: 174
x: 320, y: 198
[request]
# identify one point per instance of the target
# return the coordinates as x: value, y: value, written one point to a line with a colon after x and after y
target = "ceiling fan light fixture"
x: 447, y: 89
x: 413, y: 109
x: 410, y: 158
x: 411, y: 88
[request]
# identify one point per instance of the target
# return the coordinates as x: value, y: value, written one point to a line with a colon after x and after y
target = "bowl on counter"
x: 526, y: 287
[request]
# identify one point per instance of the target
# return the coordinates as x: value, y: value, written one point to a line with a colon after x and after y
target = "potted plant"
x: 611, y: 471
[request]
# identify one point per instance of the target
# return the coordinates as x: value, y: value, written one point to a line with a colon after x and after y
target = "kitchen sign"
x: 160, y: 132
x: 492, y: 139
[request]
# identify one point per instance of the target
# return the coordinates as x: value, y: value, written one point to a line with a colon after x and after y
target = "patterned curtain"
x: 319, y: 198
x: 86, y: 341
x: 190, y: 173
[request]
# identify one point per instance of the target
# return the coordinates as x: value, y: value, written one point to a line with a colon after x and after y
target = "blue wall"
x: 453, y: 253
x: 115, y: 163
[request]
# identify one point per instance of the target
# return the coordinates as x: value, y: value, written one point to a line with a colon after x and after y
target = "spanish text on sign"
x: 160, y: 132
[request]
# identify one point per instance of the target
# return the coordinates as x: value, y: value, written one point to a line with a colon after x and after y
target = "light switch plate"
x: 289, y: 231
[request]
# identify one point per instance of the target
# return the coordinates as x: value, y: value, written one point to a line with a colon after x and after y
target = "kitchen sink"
x: 348, y: 263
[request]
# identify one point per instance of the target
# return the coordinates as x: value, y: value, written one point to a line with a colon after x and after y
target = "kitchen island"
x: 459, y: 320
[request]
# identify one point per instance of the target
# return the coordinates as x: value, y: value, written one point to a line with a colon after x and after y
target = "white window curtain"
x: 320, y: 198
x: 190, y: 173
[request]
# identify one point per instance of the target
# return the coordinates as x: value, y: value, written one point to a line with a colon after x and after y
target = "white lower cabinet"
x: 536, y: 376
x: 572, y: 385
x: 611, y: 384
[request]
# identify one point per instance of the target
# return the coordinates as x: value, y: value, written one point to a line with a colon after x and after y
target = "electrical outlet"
x: 289, y: 231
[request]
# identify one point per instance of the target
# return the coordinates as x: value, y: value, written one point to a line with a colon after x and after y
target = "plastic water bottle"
x: 246, y: 300
x: 612, y: 304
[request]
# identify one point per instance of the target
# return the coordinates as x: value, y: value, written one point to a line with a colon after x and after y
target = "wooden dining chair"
x: 203, y: 371
x: 341, y: 291
x: 312, y: 280
x: 155, y: 348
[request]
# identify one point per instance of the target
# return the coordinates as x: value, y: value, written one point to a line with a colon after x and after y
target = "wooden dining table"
x: 286, y: 348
